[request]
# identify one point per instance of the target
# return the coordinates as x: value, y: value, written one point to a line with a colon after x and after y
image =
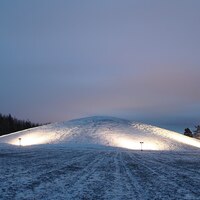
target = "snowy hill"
x: 103, y: 131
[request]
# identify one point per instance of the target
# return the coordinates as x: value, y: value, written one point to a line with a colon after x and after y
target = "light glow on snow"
x: 186, y: 140
x: 31, y: 139
x: 114, y: 133
x: 119, y: 139
x: 169, y: 134
x: 129, y: 143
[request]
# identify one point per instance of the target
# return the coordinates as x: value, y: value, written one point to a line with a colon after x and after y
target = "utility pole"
x: 141, y: 145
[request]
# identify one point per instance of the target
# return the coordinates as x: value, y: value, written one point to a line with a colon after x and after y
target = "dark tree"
x: 9, y: 124
x: 188, y: 132
x: 197, y: 132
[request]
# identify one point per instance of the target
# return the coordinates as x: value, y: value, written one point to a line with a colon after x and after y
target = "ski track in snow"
x: 88, y: 173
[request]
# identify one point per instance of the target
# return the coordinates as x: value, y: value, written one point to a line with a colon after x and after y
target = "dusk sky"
x: 138, y: 60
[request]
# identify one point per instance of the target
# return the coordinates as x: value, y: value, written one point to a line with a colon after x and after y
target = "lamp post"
x: 20, y: 144
x: 141, y: 145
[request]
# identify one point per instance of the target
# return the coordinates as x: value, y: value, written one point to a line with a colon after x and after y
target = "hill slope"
x: 104, y: 131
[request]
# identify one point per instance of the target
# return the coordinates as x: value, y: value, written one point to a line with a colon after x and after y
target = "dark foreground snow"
x: 72, y: 173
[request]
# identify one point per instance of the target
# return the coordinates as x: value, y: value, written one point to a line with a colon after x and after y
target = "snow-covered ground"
x: 99, y: 158
x: 106, y: 131
x: 56, y: 172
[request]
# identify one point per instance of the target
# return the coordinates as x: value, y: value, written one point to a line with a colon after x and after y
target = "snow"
x: 106, y: 131
x: 55, y: 172
x: 99, y: 158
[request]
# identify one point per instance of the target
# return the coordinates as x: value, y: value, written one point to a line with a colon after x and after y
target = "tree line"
x: 195, y: 133
x: 9, y: 124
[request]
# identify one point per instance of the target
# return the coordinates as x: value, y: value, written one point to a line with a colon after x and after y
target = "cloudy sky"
x: 136, y: 59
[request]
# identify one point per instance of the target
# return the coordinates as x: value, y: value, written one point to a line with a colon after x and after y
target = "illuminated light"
x: 129, y: 143
x: 31, y: 139
x: 20, y: 139
x: 133, y: 142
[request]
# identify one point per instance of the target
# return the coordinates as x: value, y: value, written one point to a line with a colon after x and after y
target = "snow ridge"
x: 103, y: 131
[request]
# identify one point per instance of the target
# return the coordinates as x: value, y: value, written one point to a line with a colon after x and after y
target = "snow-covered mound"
x: 103, y: 131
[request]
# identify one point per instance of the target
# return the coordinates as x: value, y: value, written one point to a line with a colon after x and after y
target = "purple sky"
x: 132, y: 59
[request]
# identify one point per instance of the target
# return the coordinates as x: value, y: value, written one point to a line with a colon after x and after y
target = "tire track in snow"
x: 98, y: 174
x: 130, y: 188
x: 76, y: 188
x: 165, y: 181
x: 55, y: 173
x: 115, y: 190
x: 98, y: 184
x: 50, y: 175
x: 156, y: 165
x: 168, y: 162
